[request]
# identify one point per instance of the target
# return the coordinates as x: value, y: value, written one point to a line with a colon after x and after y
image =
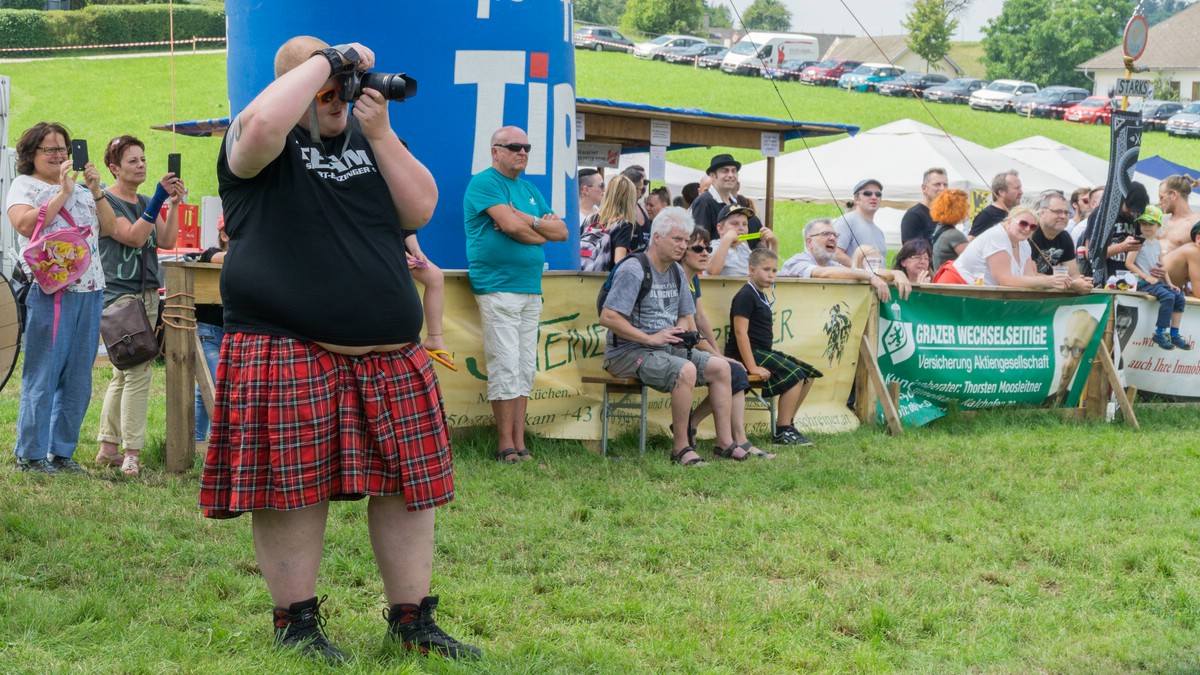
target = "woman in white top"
x: 1002, y: 255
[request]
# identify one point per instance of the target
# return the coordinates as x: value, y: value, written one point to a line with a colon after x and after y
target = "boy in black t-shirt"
x: 750, y: 342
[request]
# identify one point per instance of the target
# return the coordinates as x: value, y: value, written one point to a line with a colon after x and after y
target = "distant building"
x: 1171, y: 50
x: 888, y: 48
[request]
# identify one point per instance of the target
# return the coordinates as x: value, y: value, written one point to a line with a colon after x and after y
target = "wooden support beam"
x: 1110, y: 371
x: 867, y: 362
x: 181, y: 375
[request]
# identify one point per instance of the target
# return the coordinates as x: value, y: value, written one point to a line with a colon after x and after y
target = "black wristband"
x: 338, y: 63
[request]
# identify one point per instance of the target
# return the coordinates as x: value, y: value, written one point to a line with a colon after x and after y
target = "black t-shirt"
x: 632, y: 238
x: 1121, y: 230
x: 985, y: 219
x: 917, y: 223
x: 316, y: 252
x: 210, y: 314
x: 750, y: 303
x: 1058, y: 251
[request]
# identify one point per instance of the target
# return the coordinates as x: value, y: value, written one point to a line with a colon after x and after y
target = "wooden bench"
x: 622, y: 395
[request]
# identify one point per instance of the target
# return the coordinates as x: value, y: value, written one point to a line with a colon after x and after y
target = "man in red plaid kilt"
x: 323, y: 389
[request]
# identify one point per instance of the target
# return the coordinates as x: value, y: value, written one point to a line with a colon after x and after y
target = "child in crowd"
x: 730, y: 250
x: 430, y: 276
x: 750, y: 341
x: 1171, y: 300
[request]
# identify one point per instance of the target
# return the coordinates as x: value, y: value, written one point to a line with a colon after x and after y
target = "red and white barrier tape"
x: 111, y: 46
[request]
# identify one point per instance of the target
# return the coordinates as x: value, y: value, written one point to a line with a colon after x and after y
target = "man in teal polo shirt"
x: 507, y: 221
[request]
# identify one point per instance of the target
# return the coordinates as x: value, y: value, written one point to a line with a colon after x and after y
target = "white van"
x: 756, y: 50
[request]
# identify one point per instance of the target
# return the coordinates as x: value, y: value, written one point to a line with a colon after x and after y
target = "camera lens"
x: 393, y: 86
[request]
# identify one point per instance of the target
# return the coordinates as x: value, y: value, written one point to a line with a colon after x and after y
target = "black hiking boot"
x: 414, y: 626
x: 301, y: 627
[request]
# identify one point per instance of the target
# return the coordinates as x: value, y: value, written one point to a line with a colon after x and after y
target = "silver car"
x: 1186, y: 122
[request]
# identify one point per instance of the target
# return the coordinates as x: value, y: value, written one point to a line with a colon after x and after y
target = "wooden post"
x: 864, y: 396
x: 181, y: 374
x: 769, y: 207
x: 1114, y: 381
x: 867, y: 363
x: 1096, y: 389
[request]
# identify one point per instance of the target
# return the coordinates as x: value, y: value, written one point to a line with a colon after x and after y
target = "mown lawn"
x: 1008, y: 542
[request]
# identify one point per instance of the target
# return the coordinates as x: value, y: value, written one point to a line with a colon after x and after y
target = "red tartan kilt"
x: 295, y: 425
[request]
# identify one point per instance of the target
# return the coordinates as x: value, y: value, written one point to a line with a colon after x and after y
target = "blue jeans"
x: 210, y: 339
x: 1169, y: 301
x: 56, y: 383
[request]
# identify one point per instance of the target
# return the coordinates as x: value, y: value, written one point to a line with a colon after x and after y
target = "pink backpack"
x: 57, y: 259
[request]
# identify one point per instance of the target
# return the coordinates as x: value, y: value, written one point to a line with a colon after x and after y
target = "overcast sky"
x: 879, y: 17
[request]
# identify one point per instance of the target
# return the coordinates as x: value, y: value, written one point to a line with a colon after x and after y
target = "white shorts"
x: 510, y: 329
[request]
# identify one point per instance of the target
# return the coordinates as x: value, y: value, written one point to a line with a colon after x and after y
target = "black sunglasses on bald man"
x: 513, y: 147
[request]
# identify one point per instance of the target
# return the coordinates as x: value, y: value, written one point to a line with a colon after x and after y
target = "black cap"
x: 865, y: 182
x: 734, y: 209
x: 723, y: 160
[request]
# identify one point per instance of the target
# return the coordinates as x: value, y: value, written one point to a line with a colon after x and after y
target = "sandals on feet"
x: 443, y: 357
x: 727, y: 453
x: 755, y: 452
x: 523, y: 453
x: 131, y: 466
x: 677, y: 457
x: 508, y: 456
x: 115, y: 459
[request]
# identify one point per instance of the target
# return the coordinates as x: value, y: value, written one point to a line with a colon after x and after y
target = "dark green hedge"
x: 22, y: 4
x: 106, y: 24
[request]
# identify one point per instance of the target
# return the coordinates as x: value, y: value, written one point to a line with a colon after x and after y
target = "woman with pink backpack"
x: 60, y: 223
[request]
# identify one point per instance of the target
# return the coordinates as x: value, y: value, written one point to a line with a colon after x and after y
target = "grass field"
x: 1009, y: 542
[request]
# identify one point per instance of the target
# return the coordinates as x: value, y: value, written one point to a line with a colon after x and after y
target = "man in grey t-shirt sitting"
x: 857, y: 228
x: 644, y: 337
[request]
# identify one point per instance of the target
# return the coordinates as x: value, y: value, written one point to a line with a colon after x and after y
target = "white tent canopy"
x: 897, y: 155
x: 1082, y: 169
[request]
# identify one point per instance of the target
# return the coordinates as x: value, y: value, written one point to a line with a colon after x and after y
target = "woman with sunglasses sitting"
x: 1002, y: 256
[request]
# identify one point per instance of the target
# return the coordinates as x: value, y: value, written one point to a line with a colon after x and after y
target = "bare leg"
x: 789, y: 403
x: 287, y: 545
x: 434, y: 301
x: 716, y: 374
x: 505, y: 412
x: 403, y: 545
x: 518, y: 422
x: 737, y: 418
x: 703, y: 410
x: 681, y: 407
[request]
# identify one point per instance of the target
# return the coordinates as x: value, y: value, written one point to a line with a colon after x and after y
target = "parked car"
x: 999, y: 95
x: 1156, y: 113
x: 828, y: 71
x: 599, y: 38
x: 788, y: 70
x: 758, y: 50
x: 1091, y: 110
x: 866, y: 76
x: 655, y: 48
x: 1186, y: 122
x: 955, y: 91
x: 702, y: 55
x: 910, y: 84
x: 1051, y: 102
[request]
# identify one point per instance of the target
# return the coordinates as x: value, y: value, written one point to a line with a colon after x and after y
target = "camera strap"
x: 314, y: 129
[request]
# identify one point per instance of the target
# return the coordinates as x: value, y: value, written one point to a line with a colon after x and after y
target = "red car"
x: 828, y: 71
x: 1091, y: 110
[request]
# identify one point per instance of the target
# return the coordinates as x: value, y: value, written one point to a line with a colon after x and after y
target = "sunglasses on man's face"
x: 871, y: 193
x: 327, y: 95
x: 513, y: 147
x: 697, y: 248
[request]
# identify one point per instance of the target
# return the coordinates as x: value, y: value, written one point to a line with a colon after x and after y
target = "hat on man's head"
x: 1152, y: 215
x: 864, y: 183
x: 733, y: 210
x: 723, y: 160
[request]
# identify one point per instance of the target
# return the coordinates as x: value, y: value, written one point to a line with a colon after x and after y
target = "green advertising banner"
x: 982, y: 353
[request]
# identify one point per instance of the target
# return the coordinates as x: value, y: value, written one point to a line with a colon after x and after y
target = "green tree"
x: 767, y: 15
x: 606, y: 12
x: 1044, y: 40
x: 930, y: 27
x: 662, y: 16
x: 718, y: 14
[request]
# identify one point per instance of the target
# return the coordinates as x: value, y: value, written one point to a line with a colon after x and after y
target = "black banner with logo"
x: 1122, y: 155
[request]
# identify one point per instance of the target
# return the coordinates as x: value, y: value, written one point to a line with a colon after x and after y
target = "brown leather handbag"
x: 128, y: 336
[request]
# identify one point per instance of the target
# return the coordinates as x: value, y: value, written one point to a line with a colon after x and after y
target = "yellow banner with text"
x: 818, y: 322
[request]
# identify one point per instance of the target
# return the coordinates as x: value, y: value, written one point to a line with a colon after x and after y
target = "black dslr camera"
x: 689, y: 339
x: 393, y: 86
